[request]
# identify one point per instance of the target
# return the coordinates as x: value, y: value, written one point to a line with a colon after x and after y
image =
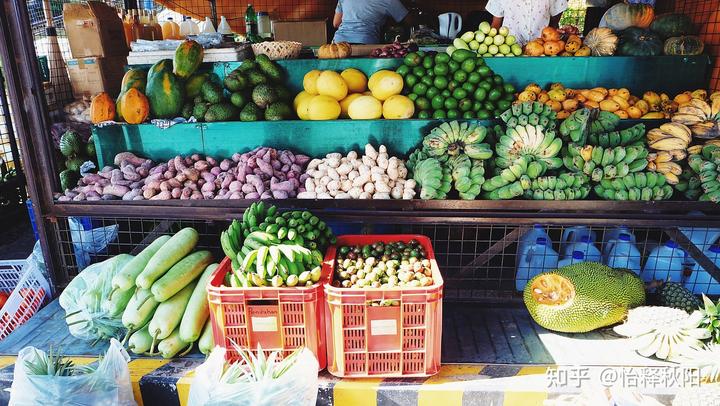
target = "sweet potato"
x: 162, y: 196
x: 115, y: 190
x: 131, y: 158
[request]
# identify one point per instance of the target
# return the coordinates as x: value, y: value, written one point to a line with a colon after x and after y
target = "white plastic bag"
x: 296, y: 387
x: 108, y: 385
x: 88, y: 242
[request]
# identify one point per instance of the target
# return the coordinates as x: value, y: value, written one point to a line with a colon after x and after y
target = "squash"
x: 135, y: 106
x: 164, y: 91
x: 102, y: 108
x: 134, y: 77
x: 188, y: 57
x: 601, y: 41
x: 672, y: 25
x: 687, y: 45
x: 623, y: 15
x: 335, y: 51
x: 640, y: 42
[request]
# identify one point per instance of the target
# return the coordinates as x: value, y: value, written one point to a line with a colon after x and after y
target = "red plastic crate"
x: 374, y: 341
x: 279, y: 319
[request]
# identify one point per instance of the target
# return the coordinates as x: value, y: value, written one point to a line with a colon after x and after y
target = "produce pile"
x: 563, y: 42
x: 395, y: 50
x: 487, y: 42
x: 458, y: 86
x: 262, y: 173
x: 382, y: 266
x: 329, y: 95
x: 76, y: 152
x: 272, y: 249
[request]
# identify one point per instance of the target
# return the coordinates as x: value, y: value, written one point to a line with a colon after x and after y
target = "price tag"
x: 265, y: 324
x: 383, y: 327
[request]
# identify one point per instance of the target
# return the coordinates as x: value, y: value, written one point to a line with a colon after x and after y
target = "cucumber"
x: 197, y: 310
x: 180, y: 275
x: 117, y: 302
x: 125, y: 279
x: 169, y: 313
x: 139, y: 310
x: 172, y: 345
x: 177, y: 247
x: 206, y: 342
x: 140, y: 342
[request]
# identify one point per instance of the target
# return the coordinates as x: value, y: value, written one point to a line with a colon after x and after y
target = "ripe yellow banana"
x: 710, y: 142
x: 702, y: 106
x: 662, y: 156
x: 668, y: 144
x: 715, y: 106
x: 695, y: 149
x: 652, y: 166
x: 657, y: 134
x: 671, y: 178
x: 692, y: 110
x: 677, y: 130
x: 586, y: 153
x: 669, y: 167
x: 685, y: 118
x: 707, y: 129
x: 678, y: 154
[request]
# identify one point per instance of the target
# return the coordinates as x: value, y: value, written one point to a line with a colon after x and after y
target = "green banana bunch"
x: 468, y: 175
x: 689, y: 184
x: 575, y: 127
x: 277, y: 266
x: 566, y: 186
x: 626, y: 137
x: 604, y: 122
x: 509, y: 190
x: 232, y: 239
x: 454, y: 138
x: 706, y: 166
x: 644, y: 186
x: 605, y: 163
x: 531, y: 143
x: 434, y: 181
x: 530, y: 113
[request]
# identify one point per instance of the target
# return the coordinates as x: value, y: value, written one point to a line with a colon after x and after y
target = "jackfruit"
x: 583, y: 297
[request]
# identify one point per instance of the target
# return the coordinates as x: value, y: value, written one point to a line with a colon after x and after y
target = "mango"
x: 609, y: 105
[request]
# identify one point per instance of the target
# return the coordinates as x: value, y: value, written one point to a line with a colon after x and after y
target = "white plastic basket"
x: 28, y: 289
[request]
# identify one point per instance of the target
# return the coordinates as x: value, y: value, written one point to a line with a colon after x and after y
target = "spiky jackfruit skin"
x: 583, y: 297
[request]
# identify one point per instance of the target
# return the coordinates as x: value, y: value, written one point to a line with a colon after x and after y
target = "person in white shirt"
x: 526, y: 18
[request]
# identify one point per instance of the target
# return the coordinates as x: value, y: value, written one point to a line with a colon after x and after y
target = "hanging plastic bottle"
x: 170, y: 29
x: 188, y: 27
x: 614, y: 234
x: 622, y: 253
x: 531, y: 236
x: 664, y: 263
x: 537, y: 258
x: 574, y: 234
x: 224, y: 27
x: 586, y: 246
x: 700, y: 280
x: 208, y: 27
x: 576, y: 257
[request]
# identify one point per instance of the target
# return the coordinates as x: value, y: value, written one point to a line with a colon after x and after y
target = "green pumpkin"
x: 164, y: 91
x: 672, y: 25
x: 636, y: 41
x: 188, y: 57
x: 687, y: 45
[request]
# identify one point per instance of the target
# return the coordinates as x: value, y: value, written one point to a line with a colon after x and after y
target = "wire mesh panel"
x: 706, y: 15
x: 489, y: 263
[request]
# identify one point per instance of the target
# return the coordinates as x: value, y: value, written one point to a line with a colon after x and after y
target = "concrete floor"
x: 17, y: 238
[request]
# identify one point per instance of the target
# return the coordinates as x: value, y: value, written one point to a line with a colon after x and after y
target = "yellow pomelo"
x: 384, y: 84
x: 331, y: 84
x: 310, y: 81
x: 300, y: 97
x: 345, y: 104
x: 356, y: 80
x: 365, y: 108
x: 398, y: 107
x: 323, y: 107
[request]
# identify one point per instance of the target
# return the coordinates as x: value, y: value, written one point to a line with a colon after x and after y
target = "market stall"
x: 392, y: 215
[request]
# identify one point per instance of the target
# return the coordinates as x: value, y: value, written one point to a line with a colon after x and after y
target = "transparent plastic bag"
x: 91, y: 241
x: 296, y: 387
x: 84, y: 296
x: 108, y: 385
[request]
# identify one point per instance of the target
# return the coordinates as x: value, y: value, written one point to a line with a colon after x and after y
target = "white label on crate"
x: 383, y: 327
x: 266, y: 324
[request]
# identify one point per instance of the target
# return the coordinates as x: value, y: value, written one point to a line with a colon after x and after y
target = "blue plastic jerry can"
x: 537, y: 258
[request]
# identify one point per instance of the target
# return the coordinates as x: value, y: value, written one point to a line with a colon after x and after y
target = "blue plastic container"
x: 534, y: 260
x: 575, y: 234
x: 576, y: 257
x: 622, y: 253
x: 538, y: 231
x: 700, y: 280
x: 665, y: 263
x: 586, y: 246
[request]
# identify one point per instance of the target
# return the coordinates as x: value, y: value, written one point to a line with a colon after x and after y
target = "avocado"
x: 284, y: 94
x: 251, y: 112
x: 187, y: 110
x: 199, y: 111
x: 235, y: 82
x: 256, y: 77
x: 220, y: 112
x: 269, y: 68
x: 74, y: 164
x: 68, y: 179
x: 211, y: 92
x: 239, y: 99
x: 264, y: 95
x: 278, y: 111
x: 246, y: 65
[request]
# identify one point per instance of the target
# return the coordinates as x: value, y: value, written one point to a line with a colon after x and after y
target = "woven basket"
x: 278, y: 49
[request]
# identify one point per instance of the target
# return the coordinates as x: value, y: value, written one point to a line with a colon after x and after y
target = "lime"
x: 432, y: 92
x: 474, y: 78
x: 484, y: 71
x: 503, y: 105
x: 486, y: 85
x: 437, y: 102
x: 441, y: 69
x: 422, y: 103
x: 509, y: 97
x: 430, y: 73
x: 468, y: 65
x: 412, y: 96
x: 461, y: 55
x: 460, y: 93
x: 477, y: 106
x: 460, y: 76
x: 427, y: 80
x: 508, y: 88
x: 493, y: 95
x: 497, y: 79
x: 412, y: 59
x: 428, y: 62
x: 442, y: 57
x: 453, y: 114
x: 480, y: 94
x: 420, y: 89
x: 403, y: 70
x: 440, y: 82
x: 465, y: 105
x: 479, y: 62
x: 410, y: 80
x: 421, y: 54
x: 484, y: 114
x: 468, y: 115
x: 418, y: 71
x: 439, y: 114
x: 451, y: 103
x: 453, y: 85
x: 453, y: 66
x: 424, y: 115
x: 446, y: 93
x: 468, y: 87
x: 489, y: 106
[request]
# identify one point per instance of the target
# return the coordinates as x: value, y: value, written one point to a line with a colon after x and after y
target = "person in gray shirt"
x: 361, y: 21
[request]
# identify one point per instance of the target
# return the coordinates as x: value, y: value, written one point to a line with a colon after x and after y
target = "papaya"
x: 102, y: 108
x: 188, y: 57
x: 164, y: 91
x: 134, y: 78
x: 134, y: 106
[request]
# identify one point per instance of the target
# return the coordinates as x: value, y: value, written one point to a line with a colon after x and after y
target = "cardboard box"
x: 94, y: 29
x: 90, y: 76
x: 309, y: 32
